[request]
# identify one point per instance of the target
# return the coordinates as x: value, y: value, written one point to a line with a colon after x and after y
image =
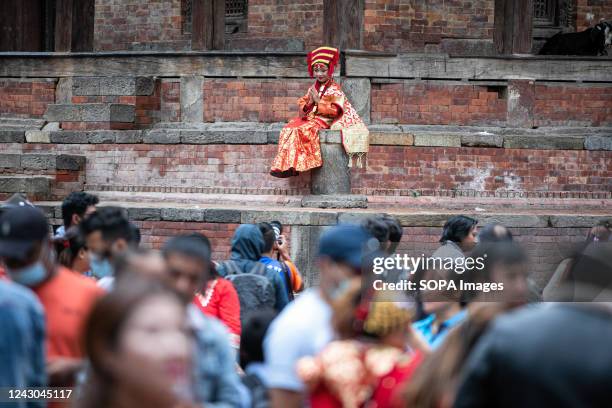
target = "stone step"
x: 112, y: 86
x: 90, y: 112
x: 399, y: 203
x: 9, y: 123
x: 267, y: 133
x: 41, y: 161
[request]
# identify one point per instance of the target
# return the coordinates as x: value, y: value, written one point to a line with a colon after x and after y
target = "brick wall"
x: 170, y: 101
x: 155, y: 233
x: 558, y: 105
x: 409, y: 25
x: 433, y: 104
x: 589, y: 12
x: 185, y: 168
x: 244, y: 169
x: 252, y: 100
x: 286, y: 19
x: 483, y: 169
x: 26, y: 98
x: 139, y: 25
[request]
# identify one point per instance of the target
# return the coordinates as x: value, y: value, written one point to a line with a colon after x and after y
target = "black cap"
x: 16, y: 200
x: 20, y: 229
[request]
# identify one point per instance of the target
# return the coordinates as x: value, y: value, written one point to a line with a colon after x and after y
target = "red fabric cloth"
x: 3, y: 274
x: 389, y: 389
x: 220, y: 300
x: 386, y: 393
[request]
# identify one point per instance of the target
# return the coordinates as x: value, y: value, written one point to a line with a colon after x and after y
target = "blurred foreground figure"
x: 139, y: 344
x: 22, y: 337
x: 555, y: 355
x: 434, y: 383
x: 368, y: 365
x: 27, y: 253
x: 304, y: 327
x: 188, y: 270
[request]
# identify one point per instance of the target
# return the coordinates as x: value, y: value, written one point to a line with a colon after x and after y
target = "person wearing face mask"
x: 304, y: 327
x: 107, y: 233
x: 325, y: 106
x: 27, y: 252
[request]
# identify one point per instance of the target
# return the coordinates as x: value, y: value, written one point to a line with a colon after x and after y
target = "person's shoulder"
x: 67, y: 278
x: 306, y: 308
x: 204, y: 324
x: 15, y: 293
x: 224, y: 285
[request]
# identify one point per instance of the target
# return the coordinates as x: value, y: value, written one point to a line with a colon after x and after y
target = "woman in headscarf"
x: 323, y: 107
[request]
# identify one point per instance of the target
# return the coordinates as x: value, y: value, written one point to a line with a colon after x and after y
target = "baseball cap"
x: 16, y: 200
x: 347, y: 243
x: 21, y: 228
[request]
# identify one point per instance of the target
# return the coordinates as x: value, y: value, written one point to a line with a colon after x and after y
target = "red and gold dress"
x: 298, y: 145
x: 354, y: 374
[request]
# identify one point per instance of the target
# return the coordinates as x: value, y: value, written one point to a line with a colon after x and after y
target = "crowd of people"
x: 123, y: 326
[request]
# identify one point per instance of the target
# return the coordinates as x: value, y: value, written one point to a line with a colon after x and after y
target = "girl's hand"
x: 314, y: 95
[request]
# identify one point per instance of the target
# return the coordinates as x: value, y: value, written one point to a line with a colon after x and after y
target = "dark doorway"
x: 26, y: 25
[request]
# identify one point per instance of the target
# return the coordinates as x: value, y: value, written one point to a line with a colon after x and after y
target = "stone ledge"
x: 598, y: 142
x: 112, y: 86
x: 12, y: 136
x: 335, y: 201
x: 381, y: 135
x: 324, y: 217
x: 25, y: 184
x: 42, y: 161
x: 437, y: 140
x: 90, y: 112
x: 544, y: 142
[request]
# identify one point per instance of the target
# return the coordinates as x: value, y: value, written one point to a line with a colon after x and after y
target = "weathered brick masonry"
x: 139, y: 25
x: 596, y: 9
x: 26, y: 98
x: 408, y: 25
x: 244, y: 169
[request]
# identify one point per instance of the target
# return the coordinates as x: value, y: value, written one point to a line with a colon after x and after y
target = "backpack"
x: 255, y: 291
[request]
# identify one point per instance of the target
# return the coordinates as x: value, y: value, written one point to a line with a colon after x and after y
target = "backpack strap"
x: 287, y: 278
x: 258, y: 269
x: 230, y: 267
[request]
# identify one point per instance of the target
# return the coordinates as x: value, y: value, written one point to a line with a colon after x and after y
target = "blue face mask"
x: 30, y: 276
x: 100, y: 267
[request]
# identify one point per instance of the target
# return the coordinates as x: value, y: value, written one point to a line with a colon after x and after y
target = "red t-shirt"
x: 220, y: 300
x: 67, y: 299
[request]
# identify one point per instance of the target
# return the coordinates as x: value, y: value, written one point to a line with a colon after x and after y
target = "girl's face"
x: 321, y: 72
x: 156, y: 333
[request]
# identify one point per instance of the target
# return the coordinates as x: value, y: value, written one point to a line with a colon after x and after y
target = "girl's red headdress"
x: 323, y: 55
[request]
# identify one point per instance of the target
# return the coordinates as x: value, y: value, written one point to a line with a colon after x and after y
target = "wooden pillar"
x: 74, y: 25
x: 343, y: 23
x: 208, y: 25
x: 513, y: 26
